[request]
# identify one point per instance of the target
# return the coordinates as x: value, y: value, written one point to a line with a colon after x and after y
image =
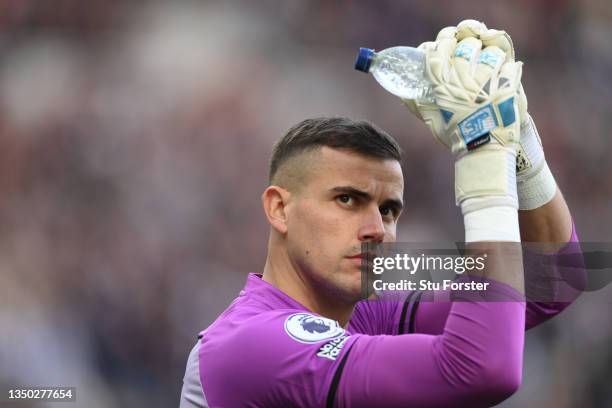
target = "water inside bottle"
x: 402, y: 76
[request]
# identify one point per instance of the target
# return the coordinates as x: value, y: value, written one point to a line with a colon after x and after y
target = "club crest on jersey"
x: 308, y: 328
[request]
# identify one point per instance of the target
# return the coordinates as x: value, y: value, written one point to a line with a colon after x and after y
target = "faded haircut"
x: 358, y: 136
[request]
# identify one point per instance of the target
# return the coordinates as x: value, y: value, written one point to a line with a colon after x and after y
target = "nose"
x: 373, y: 228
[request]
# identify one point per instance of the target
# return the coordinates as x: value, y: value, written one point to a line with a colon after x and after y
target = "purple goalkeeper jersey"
x: 268, y: 350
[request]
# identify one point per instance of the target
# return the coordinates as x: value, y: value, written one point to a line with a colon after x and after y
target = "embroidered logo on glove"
x: 475, y: 128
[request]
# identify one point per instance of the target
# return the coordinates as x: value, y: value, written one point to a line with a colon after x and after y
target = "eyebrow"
x: 394, y: 204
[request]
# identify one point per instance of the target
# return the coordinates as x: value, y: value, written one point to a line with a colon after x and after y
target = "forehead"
x: 332, y: 167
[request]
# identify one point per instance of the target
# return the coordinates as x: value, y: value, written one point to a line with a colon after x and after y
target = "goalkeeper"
x: 299, y: 336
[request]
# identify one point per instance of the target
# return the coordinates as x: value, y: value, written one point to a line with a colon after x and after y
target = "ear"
x: 275, y: 200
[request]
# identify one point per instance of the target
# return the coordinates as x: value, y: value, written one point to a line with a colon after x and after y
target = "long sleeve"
x: 475, y: 361
x: 429, y: 317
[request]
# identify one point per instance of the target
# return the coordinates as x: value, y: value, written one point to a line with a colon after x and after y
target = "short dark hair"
x: 358, y: 136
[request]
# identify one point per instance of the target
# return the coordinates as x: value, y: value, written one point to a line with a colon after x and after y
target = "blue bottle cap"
x: 364, y: 59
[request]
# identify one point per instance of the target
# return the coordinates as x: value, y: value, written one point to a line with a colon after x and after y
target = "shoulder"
x: 271, y: 331
x: 383, y: 315
x: 271, y: 357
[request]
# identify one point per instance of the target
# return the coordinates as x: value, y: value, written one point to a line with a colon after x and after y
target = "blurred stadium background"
x: 134, y: 139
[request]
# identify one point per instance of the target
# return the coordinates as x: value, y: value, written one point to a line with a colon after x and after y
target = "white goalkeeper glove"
x: 536, y: 185
x: 476, y: 115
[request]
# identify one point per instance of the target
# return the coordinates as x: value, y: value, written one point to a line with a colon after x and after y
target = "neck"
x: 282, y: 274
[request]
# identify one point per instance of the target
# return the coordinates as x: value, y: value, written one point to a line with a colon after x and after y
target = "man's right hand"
x: 536, y: 185
x: 477, y: 114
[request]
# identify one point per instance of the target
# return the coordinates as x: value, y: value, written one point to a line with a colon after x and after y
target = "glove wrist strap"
x: 486, y: 177
x: 536, y: 185
x: 538, y: 190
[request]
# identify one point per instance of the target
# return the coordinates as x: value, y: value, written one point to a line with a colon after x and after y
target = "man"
x: 299, y: 336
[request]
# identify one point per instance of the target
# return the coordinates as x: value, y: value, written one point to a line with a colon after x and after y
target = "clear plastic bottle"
x: 400, y: 70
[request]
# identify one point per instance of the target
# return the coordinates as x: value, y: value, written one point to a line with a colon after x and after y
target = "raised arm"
x: 476, y: 360
x: 544, y: 216
x: 551, y: 223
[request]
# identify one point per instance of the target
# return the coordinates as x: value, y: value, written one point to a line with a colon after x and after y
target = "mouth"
x: 358, y: 257
x: 362, y: 255
x: 361, y: 258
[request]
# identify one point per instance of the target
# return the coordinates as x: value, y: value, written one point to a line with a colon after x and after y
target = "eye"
x: 388, y: 212
x: 345, y: 198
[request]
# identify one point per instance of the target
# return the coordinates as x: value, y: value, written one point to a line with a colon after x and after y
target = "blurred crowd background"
x: 134, y: 140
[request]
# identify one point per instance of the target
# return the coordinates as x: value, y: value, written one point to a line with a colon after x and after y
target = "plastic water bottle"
x: 400, y: 70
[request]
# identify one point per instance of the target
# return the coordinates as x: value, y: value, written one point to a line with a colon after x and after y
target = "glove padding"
x: 477, y: 92
x: 535, y: 183
x: 466, y: 80
x: 497, y: 38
